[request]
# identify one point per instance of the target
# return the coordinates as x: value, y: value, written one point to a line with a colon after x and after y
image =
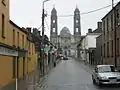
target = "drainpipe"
x: 16, y: 80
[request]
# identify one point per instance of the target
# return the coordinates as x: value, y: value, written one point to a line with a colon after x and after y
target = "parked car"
x: 105, y: 74
x: 65, y: 58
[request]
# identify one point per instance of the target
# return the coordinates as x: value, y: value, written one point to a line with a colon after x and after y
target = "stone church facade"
x: 66, y: 41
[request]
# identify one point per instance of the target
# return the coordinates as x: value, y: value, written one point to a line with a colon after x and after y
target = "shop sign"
x: 8, y: 52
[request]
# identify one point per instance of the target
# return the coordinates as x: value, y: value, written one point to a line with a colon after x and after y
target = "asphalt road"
x: 73, y: 75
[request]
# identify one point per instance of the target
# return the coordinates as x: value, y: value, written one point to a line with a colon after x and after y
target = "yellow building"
x: 17, y: 53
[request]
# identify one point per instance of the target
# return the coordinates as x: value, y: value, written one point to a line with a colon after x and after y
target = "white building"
x: 88, y: 43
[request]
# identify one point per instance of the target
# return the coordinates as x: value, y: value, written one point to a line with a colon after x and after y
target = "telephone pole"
x: 43, y: 27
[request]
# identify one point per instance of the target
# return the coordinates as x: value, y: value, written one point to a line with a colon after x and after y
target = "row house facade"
x: 17, y: 52
x: 111, y: 37
x: 86, y: 48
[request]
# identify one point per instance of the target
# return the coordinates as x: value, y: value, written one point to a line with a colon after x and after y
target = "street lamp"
x: 43, y: 17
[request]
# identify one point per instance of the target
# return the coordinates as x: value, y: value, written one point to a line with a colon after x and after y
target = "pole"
x: 112, y: 3
x: 43, y: 39
x: 114, y: 11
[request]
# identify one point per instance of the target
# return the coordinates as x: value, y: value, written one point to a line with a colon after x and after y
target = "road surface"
x: 73, y: 75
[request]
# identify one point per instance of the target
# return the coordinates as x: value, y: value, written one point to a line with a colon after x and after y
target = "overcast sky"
x: 28, y: 13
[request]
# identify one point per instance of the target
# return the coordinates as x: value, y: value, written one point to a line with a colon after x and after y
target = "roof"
x: 15, y: 25
x: 54, y: 10
x: 77, y: 10
x: 110, y: 11
x: 82, y: 37
x: 65, y: 32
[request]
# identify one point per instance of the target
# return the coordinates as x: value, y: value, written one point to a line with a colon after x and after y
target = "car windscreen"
x: 103, y: 69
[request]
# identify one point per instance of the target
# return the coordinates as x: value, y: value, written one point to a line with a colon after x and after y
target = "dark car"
x: 65, y: 58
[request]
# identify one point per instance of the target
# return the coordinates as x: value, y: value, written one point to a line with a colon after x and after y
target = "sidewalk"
x: 39, y: 84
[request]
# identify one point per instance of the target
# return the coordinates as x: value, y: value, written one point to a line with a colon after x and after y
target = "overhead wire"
x: 84, y: 13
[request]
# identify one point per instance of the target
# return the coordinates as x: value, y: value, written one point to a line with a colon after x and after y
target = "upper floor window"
x: 117, y: 17
x: 3, y: 26
x: 13, y: 36
x: 104, y: 29
x: 18, y: 39
x: 112, y: 21
x: 23, y: 41
x: 107, y: 26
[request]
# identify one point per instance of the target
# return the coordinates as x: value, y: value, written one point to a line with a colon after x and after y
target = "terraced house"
x: 17, y: 52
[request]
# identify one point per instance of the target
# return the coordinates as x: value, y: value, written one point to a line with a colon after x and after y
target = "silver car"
x: 105, y: 74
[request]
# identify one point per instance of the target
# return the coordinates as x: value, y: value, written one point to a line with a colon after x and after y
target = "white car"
x: 105, y: 74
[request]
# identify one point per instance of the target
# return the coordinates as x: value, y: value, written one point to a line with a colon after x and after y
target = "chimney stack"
x: 89, y: 30
x: 99, y: 25
x: 28, y: 29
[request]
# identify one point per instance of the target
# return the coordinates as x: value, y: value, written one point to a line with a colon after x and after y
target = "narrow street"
x: 73, y: 75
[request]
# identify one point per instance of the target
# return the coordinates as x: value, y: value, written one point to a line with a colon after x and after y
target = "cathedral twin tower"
x: 54, y: 27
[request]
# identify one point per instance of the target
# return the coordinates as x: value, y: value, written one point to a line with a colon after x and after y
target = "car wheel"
x: 94, y: 82
x: 98, y: 82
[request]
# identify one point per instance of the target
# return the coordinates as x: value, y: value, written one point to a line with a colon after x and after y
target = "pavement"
x: 72, y: 75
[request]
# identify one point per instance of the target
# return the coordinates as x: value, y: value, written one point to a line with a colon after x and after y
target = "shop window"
x: 14, y: 67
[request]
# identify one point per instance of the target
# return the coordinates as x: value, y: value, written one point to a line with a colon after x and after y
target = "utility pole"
x: 43, y: 17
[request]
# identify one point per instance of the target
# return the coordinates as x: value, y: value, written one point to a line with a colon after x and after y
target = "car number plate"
x: 113, y: 81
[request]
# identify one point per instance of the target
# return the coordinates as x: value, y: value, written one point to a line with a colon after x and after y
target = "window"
x: 108, y: 49
x: 117, y: 17
x: 3, y: 26
x: 14, y: 67
x: 117, y: 46
x: 112, y: 21
x: 29, y: 48
x: 101, y: 50
x: 23, y: 66
x: 23, y: 41
x: 104, y: 50
x: 104, y: 28
x: 76, y: 29
x: 112, y: 47
x: 76, y: 21
x: 107, y: 24
x: 53, y: 21
x: 18, y: 38
x: 14, y: 37
x: 17, y: 66
x: 53, y: 29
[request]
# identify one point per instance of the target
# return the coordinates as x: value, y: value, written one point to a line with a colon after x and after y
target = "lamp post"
x: 43, y: 17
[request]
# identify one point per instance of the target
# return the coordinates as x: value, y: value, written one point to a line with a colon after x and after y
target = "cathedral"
x: 66, y: 41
